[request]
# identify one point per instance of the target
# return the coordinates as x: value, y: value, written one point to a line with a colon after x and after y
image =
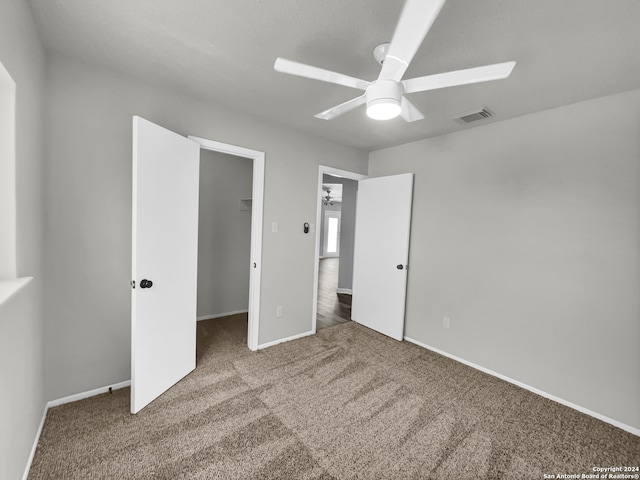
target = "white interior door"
x: 383, y: 222
x: 164, y: 260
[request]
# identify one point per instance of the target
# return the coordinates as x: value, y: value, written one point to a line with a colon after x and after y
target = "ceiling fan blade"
x: 459, y: 77
x: 409, y: 111
x: 415, y: 21
x: 342, y: 108
x: 302, y: 70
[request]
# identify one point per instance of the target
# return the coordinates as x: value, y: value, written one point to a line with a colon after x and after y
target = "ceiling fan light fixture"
x: 383, y: 109
x: 383, y: 100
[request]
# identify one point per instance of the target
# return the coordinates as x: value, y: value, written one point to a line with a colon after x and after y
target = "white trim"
x: 87, y: 394
x: 257, y: 212
x: 35, y: 443
x: 336, y: 172
x: 218, y: 315
x: 62, y: 401
x: 346, y: 291
x: 227, y: 148
x: 8, y: 288
x: 586, y: 411
x: 8, y: 167
x: 288, y: 339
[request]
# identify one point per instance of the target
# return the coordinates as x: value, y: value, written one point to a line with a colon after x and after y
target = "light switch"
x: 275, y: 227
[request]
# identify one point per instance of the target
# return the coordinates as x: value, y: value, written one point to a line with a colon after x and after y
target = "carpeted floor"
x: 346, y: 403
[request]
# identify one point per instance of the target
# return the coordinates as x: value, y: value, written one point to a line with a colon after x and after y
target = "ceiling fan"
x: 384, y: 97
x: 327, y: 199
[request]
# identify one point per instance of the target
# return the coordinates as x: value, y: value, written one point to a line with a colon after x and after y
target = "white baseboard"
x: 62, y: 401
x: 35, y: 443
x: 347, y: 291
x: 288, y: 339
x: 586, y: 411
x: 90, y: 393
x: 218, y: 315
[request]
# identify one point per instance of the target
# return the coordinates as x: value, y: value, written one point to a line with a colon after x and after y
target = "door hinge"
x: 133, y: 283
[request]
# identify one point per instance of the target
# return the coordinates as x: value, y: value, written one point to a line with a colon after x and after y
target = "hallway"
x: 333, y: 308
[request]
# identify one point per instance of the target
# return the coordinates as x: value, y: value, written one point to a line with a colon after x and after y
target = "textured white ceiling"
x: 223, y: 51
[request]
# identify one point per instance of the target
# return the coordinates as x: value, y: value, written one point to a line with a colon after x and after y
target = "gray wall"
x: 88, y: 201
x: 224, y: 233
x: 21, y: 319
x: 526, y: 234
x: 347, y: 228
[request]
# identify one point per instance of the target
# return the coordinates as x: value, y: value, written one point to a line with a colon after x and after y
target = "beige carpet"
x: 346, y: 403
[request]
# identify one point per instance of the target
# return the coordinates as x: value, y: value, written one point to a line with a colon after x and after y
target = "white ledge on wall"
x: 8, y: 288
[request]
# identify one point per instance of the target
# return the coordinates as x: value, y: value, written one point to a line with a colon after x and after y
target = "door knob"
x: 146, y: 283
x: 399, y: 267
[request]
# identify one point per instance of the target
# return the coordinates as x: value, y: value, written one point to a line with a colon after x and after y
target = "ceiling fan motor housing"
x: 382, y: 95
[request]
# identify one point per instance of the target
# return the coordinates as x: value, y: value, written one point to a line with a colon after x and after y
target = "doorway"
x: 224, y: 243
x: 165, y: 251
x: 252, y: 206
x: 337, y: 196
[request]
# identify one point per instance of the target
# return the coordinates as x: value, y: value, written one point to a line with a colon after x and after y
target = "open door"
x: 383, y: 222
x: 164, y: 260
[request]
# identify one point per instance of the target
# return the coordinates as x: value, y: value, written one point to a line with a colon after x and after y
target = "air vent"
x: 474, y: 116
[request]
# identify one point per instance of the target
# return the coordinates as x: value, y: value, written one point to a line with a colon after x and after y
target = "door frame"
x: 257, y: 213
x: 336, y: 172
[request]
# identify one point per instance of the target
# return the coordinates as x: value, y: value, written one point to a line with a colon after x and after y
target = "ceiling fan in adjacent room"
x: 385, y: 97
x: 327, y: 197
x: 327, y: 200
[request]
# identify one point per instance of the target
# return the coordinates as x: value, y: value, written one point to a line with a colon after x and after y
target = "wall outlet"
x: 279, y: 311
x: 445, y: 322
